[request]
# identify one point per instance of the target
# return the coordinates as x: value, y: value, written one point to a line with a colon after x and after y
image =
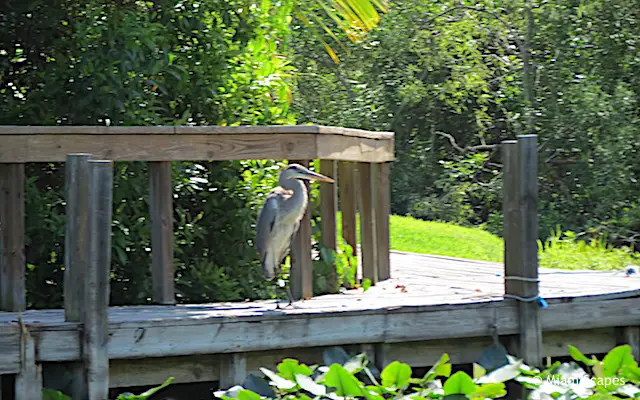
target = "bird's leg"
x: 277, y: 297
x: 289, y: 296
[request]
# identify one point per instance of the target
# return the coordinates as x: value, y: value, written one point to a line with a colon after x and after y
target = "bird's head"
x: 297, y: 171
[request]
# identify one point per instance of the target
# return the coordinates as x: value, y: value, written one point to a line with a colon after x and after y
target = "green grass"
x: 440, y: 238
x: 564, y: 250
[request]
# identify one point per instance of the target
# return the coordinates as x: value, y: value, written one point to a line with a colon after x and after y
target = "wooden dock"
x: 418, y: 307
x: 430, y: 305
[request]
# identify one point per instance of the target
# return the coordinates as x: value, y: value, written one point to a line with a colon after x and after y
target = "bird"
x: 280, y: 217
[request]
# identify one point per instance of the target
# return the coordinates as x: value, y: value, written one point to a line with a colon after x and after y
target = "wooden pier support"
x: 367, y: 204
x: 520, y: 161
x: 630, y: 335
x: 347, y: 193
x: 328, y: 211
x: 12, y: 255
x: 96, y: 308
x: 161, y: 209
x: 301, y: 278
x: 28, y: 384
x: 76, y: 252
x: 382, y: 212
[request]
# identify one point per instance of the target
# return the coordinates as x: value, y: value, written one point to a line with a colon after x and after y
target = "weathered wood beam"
x: 76, y: 240
x: 161, y: 210
x: 12, y: 251
x: 76, y: 252
x: 367, y: 204
x: 328, y: 211
x: 347, y: 193
x: 96, y: 316
x: 28, y: 384
x: 233, y: 370
x: 192, y: 145
x: 147, y: 338
x: 210, y: 130
x: 521, y: 229
x: 629, y: 335
x: 382, y: 211
x: 301, y: 277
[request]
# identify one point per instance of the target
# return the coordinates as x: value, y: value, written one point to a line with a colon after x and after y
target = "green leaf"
x: 396, y: 374
x: 289, y: 367
x: 278, y: 381
x: 478, y: 371
x: 356, y: 364
x: 50, y: 394
x: 150, y: 392
x: 578, y: 356
x: 248, y: 395
x: 629, y: 391
x: 344, y: 383
x: 459, y: 383
x: 440, y: 368
x: 366, y: 284
x: 310, y: 386
x: 617, y: 358
x: 490, y: 390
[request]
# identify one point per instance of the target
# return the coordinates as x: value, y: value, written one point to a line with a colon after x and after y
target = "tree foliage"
x: 147, y: 63
x: 453, y: 80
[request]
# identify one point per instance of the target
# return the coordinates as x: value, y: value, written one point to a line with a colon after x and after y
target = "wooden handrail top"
x: 20, y: 144
x: 202, y: 130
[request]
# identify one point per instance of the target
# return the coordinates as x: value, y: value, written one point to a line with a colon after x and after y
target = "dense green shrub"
x: 616, y: 376
x: 147, y: 63
x: 449, y: 80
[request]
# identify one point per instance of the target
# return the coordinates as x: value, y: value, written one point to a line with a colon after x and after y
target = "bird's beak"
x: 315, y: 176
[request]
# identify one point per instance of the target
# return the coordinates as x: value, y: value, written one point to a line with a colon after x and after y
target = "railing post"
x: 76, y: 244
x: 161, y: 210
x: 328, y: 211
x: 96, y: 314
x: 520, y: 162
x: 382, y: 211
x: 347, y: 191
x: 301, y: 277
x: 629, y: 335
x: 28, y: 384
x: 367, y: 190
x: 12, y: 256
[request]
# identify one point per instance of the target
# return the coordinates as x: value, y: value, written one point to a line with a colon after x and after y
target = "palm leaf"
x: 356, y: 18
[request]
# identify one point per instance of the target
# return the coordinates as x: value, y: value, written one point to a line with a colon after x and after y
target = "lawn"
x: 563, y: 250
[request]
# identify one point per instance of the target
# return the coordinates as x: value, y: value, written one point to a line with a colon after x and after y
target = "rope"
x: 539, y: 299
x: 521, y: 278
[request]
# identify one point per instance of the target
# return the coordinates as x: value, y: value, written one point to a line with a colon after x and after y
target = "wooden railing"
x: 359, y: 160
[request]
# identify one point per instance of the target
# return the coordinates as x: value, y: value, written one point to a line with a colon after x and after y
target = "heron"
x: 280, y: 218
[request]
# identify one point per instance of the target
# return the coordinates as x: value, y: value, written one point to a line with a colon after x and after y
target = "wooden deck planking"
x: 441, y: 302
x: 417, y: 280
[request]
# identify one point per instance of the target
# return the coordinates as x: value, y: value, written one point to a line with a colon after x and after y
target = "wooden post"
x: 233, y: 370
x: 367, y: 191
x: 12, y: 256
x: 521, y: 248
x: 75, y: 244
x: 347, y: 195
x: 76, y: 252
x: 96, y: 323
x: 630, y: 335
x: 328, y: 211
x: 161, y: 209
x: 301, y: 277
x: 383, y: 208
x: 28, y: 384
x: 511, y: 211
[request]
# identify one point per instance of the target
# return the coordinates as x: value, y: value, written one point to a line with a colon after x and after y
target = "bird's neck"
x: 299, y: 196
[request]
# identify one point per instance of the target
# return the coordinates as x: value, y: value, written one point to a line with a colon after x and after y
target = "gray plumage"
x: 280, y: 217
